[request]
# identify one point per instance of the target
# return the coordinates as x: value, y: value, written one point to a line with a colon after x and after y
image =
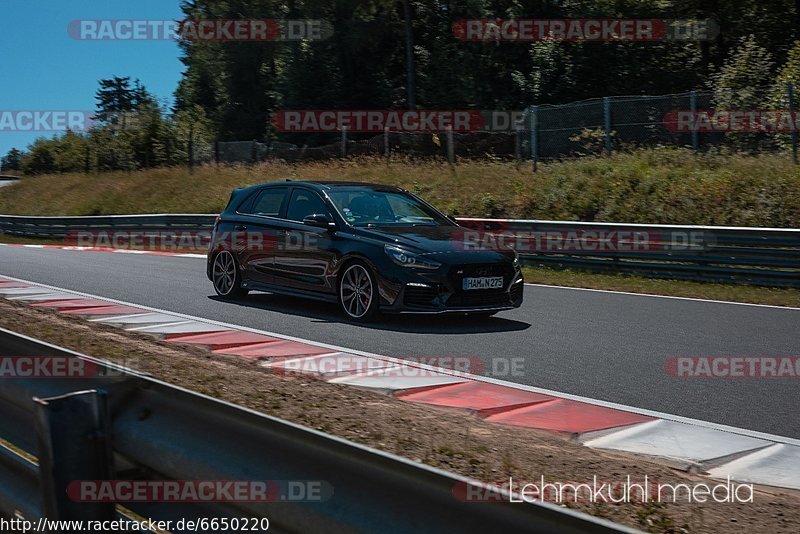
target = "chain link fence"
x: 695, y: 119
x: 413, y: 144
x: 589, y: 127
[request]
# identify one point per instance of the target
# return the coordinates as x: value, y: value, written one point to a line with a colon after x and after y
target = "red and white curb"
x: 719, y: 450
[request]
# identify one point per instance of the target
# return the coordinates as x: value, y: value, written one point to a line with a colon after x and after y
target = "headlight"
x: 516, y: 259
x: 409, y: 259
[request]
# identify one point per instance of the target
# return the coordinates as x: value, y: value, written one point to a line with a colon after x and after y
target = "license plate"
x: 484, y: 282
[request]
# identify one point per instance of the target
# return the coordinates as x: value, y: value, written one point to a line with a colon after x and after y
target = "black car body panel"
x: 289, y: 256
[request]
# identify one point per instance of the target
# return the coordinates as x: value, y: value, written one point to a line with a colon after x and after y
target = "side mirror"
x: 320, y: 220
x: 452, y: 218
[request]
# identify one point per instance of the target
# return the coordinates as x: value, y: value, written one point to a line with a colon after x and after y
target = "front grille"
x: 478, y: 298
x: 478, y: 270
x: 419, y: 296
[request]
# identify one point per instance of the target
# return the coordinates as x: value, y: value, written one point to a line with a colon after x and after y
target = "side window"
x: 268, y: 202
x: 304, y: 203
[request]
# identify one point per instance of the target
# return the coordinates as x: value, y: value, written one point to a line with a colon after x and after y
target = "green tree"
x: 40, y: 157
x: 117, y: 96
x: 743, y: 84
x: 788, y: 73
x: 12, y: 161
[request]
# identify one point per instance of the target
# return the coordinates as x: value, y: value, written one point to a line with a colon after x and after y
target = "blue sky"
x: 45, y: 69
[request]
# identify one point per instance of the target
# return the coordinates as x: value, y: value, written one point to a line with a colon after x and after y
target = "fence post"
x: 518, y: 144
x: 790, y: 94
x: 607, y: 123
x: 216, y: 151
x: 74, y: 441
x: 451, y: 151
x: 190, y: 148
x: 386, y: 143
x: 693, y: 108
x: 534, y: 136
x: 344, y: 142
x: 254, y: 151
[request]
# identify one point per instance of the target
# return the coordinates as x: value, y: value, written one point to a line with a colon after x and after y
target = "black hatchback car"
x: 368, y: 247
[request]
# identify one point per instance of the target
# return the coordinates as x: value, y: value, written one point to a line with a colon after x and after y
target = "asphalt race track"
x: 607, y: 346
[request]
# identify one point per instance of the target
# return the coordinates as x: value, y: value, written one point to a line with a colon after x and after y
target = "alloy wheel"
x: 356, y: 291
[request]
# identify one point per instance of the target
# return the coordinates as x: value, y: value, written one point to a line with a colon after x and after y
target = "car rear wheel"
x: 227, y: 277
x: 358, y: 293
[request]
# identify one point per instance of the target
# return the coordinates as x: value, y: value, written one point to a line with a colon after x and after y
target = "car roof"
x: 333, y: 184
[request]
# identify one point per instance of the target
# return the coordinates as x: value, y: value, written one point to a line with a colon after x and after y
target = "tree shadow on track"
x: 419, y: 324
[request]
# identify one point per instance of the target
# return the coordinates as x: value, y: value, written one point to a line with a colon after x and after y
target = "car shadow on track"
x: 420, y: 324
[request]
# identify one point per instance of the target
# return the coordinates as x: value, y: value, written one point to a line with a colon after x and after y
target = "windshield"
x: 366, y: 207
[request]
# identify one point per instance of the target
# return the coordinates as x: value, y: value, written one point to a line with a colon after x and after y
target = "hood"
x: 434, y: 240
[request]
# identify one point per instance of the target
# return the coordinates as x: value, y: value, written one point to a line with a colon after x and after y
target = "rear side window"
x: 305, y: 203
x: 267, y: 202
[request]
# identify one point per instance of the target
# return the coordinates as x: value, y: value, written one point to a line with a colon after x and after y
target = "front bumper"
x: 441, y: 292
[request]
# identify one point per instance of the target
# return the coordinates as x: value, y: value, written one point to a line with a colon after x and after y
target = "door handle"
x: 240, y: 228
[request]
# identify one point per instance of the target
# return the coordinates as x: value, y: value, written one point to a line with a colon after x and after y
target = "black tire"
x: 358, y: 292
x: 227, y: 277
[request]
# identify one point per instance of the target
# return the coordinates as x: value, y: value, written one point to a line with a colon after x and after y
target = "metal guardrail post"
x: 74, y: 444
x: 451, y: 151
x: 693, y: 108
x: 790, y: 95
x: 607, y: 123
x: 534, y: 136
x: 190, y: 148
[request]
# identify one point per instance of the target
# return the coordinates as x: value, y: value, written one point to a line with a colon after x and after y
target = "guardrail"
x: 128, y: 426
x: 60, y: 227
x: 759, y: 256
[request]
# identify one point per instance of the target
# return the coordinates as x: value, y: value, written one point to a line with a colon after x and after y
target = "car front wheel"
x: 358, y: 293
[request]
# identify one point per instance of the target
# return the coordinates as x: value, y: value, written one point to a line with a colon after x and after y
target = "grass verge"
x: 666, y: 185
